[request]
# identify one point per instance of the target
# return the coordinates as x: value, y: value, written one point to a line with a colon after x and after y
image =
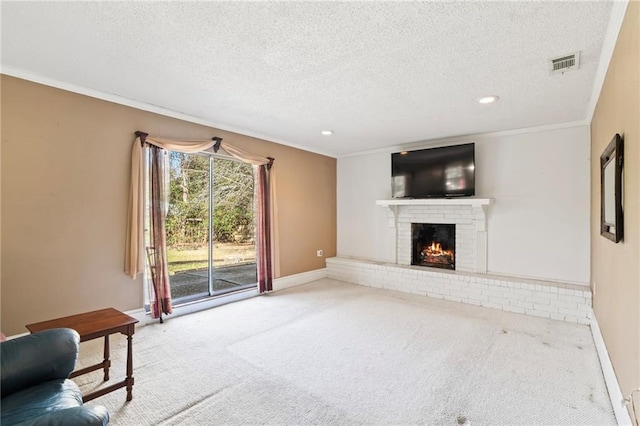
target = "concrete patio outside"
x: 192, y: 282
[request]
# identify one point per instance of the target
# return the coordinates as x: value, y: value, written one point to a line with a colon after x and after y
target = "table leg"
x: 107, y: 362
x: 129, y: 378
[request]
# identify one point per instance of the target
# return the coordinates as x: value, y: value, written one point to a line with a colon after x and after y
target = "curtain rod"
x: 143, y: 138
x: 216, y: 146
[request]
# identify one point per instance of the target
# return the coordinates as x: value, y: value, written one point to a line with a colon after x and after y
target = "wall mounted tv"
x: 443, y: 172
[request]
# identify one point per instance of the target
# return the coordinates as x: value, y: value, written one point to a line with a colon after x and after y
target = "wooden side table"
x: 93, y: 325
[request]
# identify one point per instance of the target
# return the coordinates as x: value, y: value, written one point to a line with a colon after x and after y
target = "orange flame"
x: 434, y: 253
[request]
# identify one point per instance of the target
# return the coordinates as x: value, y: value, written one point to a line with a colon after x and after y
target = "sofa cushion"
x: 39, y: 400
x: 36, y: 358
x: 87, y: 415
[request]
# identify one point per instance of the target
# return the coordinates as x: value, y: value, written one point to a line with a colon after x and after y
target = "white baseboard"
x: 139, y: 314
x: 200, y: 305
x: 15, y: 336
x: 299, y: 279
x: 278, y: 284
x: 619, y: 409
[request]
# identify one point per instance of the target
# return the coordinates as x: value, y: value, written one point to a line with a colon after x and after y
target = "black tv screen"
x: 443, y: 172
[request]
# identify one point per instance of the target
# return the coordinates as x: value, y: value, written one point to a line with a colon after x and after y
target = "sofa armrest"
x: 38, y: 357
x: 87, y: 415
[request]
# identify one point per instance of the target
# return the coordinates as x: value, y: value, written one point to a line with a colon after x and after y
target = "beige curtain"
x: 241, y: 155
x: 134, y: 251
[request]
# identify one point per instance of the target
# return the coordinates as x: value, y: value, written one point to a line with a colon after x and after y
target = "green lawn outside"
x: 181, y: 260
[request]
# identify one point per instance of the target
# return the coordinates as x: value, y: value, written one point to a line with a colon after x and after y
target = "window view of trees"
x: 188, y: 201
x: 188, y: 223
x: 233, y: 213
x: 233, y: 217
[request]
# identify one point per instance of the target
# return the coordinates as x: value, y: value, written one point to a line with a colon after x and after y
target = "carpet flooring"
x: 335, y: 353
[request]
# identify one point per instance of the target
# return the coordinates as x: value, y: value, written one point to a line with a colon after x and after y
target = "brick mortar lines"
x: 466, y: 235
x: 508, y: 295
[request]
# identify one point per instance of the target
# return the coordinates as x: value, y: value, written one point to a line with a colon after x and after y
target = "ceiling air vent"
x: 565, y: 63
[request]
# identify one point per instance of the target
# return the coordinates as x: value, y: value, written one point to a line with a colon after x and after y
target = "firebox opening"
x: 434, y: 245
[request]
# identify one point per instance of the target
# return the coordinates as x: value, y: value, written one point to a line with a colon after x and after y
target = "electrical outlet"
x: 319, y: 253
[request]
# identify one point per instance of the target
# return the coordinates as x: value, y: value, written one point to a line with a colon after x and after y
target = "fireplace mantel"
x: 477, y: 204
x: 436, y: 202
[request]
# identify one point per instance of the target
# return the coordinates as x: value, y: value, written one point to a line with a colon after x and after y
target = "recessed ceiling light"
x: 487, y: 99
x: 327, y: 132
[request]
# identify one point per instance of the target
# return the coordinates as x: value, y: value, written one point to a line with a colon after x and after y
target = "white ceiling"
x: 377, y: 74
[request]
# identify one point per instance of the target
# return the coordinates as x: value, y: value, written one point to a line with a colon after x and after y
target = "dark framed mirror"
x: 611, y: 216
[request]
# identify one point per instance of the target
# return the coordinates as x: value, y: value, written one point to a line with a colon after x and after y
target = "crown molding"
x: 116, y: 99
x: 618, y: 11
x: 469, y: 138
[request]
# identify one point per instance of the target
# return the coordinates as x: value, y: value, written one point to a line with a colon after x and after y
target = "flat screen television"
x: 443, y: 172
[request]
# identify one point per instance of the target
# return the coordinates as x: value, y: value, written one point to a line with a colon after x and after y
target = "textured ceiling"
x: 377, y: 74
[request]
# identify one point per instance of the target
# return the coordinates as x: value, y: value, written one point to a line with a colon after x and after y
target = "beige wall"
x: 615, y: 268
x: 65, y: 175
x: 0, y: 203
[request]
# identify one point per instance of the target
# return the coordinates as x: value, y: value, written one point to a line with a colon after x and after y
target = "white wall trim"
x: 188, y: 308
x: 15, y: 336
x: 281, y: 283
x: 619, y: 409
x: 432, y: 143
x: 109, y: 97
x: 298, y: 279
x: 618, y: 11
x: 200, y: 305
x: 141, y: 315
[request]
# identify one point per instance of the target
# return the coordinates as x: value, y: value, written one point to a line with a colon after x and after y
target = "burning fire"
x: 434, y: 253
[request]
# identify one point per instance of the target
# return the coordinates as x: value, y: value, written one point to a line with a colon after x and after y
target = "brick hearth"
x: 470, y: 283
x: 559, y: 301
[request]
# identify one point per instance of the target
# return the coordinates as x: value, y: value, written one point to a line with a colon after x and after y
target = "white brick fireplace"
x: 469, y: 283
x: 468, y: 214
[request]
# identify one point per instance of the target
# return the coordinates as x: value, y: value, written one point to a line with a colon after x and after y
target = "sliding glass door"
x: 210, y: 226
